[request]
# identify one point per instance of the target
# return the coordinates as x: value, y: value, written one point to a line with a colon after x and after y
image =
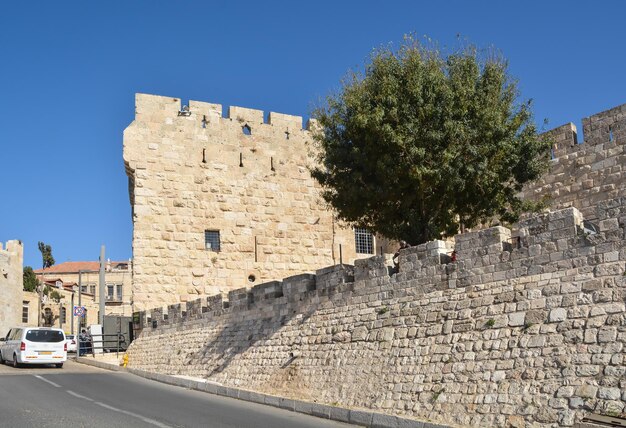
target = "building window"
x: 92, y: 289
x: 363, y: 241
x: 63, y: 315
x: 25, y: 312
x: 119, y: 292
x: 212, y: 240
x: 110, y: 291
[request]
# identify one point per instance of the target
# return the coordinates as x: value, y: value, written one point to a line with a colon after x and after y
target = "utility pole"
x: 101, y: 288
x: 80, y: 288
x: 41, y: 287
x: 72, y: 307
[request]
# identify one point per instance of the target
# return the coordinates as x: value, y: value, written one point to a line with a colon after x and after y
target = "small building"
x: 63, y: 281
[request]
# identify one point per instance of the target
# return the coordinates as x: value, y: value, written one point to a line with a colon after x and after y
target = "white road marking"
x: 134, y: 415
x: 78, y: 395
x: 125, y: 412
x: 48, y: 381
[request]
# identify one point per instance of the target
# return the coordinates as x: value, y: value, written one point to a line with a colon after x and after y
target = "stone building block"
x: 11, y: 283
x: 174, y: 313
x: 205, y: 110
x: 601, y: 127
x: 563, y: 139
x: 239, y: 299
x: 285, y: 120
x: 267, y: 290
x: 214, y: 303
x: 246, y: 116
x: 193, y: 308
x: 156, y: 316
x: 155, y: 105
x: 297, y: 286
x: 333, y: 276
x: 369, y: 268
x: 472, y: 246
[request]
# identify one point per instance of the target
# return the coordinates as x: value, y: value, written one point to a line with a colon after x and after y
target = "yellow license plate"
x: 45, y: 352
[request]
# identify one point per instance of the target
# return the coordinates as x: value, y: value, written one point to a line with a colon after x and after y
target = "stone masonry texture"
x: 526, y: 336
x: 584, y: 174
x: 195, y: 171
x: 11, y: 295
x: 526, y: 327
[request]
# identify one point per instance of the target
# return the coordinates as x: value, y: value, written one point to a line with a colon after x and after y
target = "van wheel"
x: 59, y: 365
x: 1, y: 359
x: 15, y: 363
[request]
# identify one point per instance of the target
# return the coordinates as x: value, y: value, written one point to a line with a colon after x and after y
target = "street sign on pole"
x: 79, y: 311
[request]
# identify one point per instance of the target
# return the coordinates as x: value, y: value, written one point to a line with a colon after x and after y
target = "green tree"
x: 46, y: 255
x: 421, y: 143
x: 30, y: 280
x: 55, y: 296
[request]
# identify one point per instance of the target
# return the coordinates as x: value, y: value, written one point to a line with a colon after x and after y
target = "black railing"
x: 108, y: 343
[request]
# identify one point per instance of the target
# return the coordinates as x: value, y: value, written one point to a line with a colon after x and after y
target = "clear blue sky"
x: 69, y: 71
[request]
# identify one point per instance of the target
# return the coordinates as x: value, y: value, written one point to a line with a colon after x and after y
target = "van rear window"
x: 44, y: 336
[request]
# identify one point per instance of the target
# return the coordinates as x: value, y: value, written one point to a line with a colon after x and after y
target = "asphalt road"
x: 85, y: 396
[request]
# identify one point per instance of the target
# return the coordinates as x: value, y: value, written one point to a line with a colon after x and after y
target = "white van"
x: 34, y: 345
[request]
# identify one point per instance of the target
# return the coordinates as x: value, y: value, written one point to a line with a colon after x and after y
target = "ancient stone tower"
x: 220, y: 203
x: 11, y: 295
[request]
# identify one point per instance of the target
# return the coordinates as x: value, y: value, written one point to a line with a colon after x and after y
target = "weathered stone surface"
x: 503, y: 336
x: 11, y: 294
x: 197, y: 171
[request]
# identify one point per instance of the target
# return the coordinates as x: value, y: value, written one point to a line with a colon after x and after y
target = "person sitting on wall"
x: 403, y: 245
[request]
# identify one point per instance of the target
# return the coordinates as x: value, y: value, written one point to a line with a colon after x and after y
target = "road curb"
x: 340, y: 414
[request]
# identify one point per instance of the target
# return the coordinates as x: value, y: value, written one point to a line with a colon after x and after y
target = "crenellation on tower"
x: 206, y: 111
x: 246, y: 116
x: 608, y: 126
x: 198, y: 179
x: 565, y: 139
x: 289, y: 122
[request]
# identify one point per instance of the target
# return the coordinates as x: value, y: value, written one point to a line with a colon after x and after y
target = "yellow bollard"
x: 125, y: 360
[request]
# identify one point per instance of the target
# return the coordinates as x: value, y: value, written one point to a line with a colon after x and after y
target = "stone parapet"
x: 531, y: 334
x: 585, y: 172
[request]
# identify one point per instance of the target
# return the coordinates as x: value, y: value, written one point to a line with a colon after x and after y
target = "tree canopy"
x: 421, y: 143
x: 30, y: 281
x: 46, y: 254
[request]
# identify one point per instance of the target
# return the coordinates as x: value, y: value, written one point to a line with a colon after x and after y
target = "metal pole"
x: 80, y: 293
x: 72, y: 309
x: 78, y: 330
x: 41, y: 287
x: 101, y: 288
x: 340, y: 255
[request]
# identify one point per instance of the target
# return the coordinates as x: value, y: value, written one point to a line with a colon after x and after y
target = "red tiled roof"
x: 67, y: 267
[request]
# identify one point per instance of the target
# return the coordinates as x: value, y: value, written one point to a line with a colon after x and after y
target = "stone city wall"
x: 11, y: 285
x: 584, y: 174
x: 525, y: 328
x: 192, y: 171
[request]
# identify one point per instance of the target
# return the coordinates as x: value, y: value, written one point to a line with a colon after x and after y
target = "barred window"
x: 25, y: 311
x: 363, y: 241
x: 63, y: 315
x: 212, y: 240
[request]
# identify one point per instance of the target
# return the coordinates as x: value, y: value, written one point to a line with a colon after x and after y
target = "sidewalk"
x: 365, y: 418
